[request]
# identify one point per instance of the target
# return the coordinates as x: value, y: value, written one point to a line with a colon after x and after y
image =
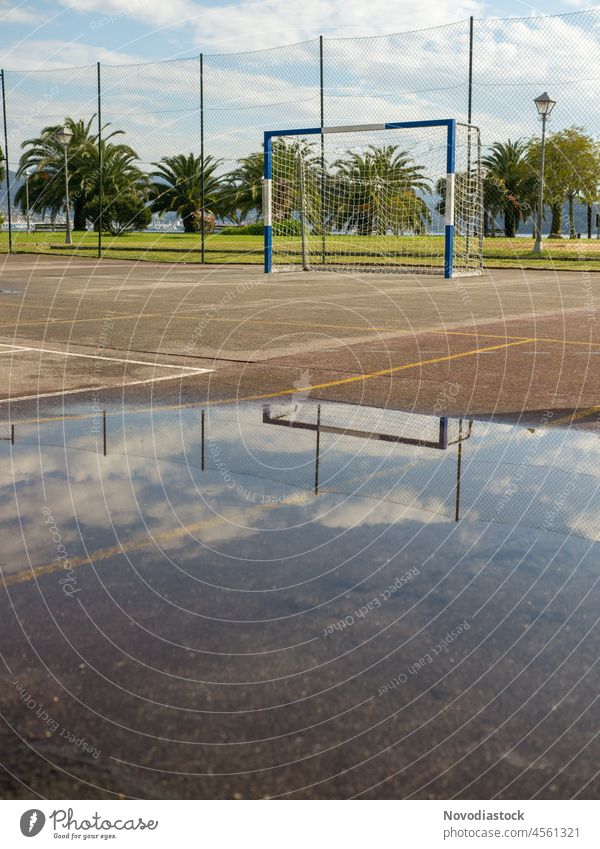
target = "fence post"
x: 322, y: 124
x: 6, y: 163
x: 470, y: 103
x: 100, y: 169
x: 202, y: 185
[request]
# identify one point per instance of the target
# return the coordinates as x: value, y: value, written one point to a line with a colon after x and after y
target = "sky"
x: 420, y: 73
x: 53, y: 33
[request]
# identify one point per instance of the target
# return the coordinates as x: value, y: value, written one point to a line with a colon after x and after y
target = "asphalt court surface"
x: 507, y: 343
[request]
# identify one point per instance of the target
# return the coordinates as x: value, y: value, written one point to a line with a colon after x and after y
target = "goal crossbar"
x: 450, y: 126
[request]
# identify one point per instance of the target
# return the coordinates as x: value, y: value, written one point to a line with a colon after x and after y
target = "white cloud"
x: 48, y: 54
x: 268, y: 23
x: 19, y: 14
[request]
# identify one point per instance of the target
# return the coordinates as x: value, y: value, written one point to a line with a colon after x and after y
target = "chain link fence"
x: 187, y: 133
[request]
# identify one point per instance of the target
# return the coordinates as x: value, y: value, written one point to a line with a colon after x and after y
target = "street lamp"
x: 544, y: 107
x: 64, y: 136
x: 27, y: 176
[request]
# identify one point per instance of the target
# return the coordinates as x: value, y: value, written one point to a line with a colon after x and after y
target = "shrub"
x: 287, y: 227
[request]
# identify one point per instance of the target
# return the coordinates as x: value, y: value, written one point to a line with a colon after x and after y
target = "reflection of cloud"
x: 361, y: 512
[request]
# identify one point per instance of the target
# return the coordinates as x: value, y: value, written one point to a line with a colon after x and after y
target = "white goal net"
x: 407, y: 199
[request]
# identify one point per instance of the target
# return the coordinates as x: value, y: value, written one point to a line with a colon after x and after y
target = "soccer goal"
x: 403, y: 197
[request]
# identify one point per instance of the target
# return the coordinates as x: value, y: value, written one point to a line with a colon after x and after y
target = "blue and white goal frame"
x: 449, y: 124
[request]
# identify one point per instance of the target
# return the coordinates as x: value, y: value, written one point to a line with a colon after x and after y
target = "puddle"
x: 303, y: 599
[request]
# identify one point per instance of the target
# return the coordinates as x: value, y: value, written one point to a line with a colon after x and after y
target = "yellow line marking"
x: 498, y: 336
x: 380, y: 373
x: 133, y: 545
x: 581, y: 414
x: 286, y: 322
x: 298, y: 389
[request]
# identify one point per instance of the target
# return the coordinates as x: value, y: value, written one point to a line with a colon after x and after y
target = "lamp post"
x: 544, y: 107
x: 27, y: 216
x: 64, y: 136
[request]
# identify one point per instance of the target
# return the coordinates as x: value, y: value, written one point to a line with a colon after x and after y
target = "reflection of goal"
x: 374, y: 423
x: 380, y: 197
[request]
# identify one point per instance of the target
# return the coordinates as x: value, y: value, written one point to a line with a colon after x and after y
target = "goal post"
x: 405, y: 196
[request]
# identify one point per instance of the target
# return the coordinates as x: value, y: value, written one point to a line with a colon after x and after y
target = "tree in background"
x: 243, y: 192
x: 125, y: 189
x: 44, y: 158
x: 571, y: 171
x: 509, y: 183
x: 378, y: 191
x: 177, y: 187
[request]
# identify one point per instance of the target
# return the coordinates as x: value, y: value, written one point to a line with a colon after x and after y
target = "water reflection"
x: 308, y: 598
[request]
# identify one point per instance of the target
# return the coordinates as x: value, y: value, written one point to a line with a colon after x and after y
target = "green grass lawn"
x: 573, y: 254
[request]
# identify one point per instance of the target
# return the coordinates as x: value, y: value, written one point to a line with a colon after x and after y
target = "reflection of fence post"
x: 318, y: 450
x: 202, y: 187
x: 458, y: 472
x: 202, y: 444
x: 6, y: 163
x: 104, y: 432
x: 100, y: 169
x: 322, y: 120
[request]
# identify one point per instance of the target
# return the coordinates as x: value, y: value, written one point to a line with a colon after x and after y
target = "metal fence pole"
x: 100, y: 168
x: 202, y: 182
x: 6, y: 163
x: 322, y: 124
x: 470, y: 104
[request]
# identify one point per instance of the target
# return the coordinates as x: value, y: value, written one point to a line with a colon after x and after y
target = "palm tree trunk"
x: 556, y: 225
x: 509, y: 221
x: 571, y: 218
x: 190, y: 223
x: 79, y: 216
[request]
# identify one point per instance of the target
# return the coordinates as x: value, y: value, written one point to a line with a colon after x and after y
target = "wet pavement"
x: 298, y: 599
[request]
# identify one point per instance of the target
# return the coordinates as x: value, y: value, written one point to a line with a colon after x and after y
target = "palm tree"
x: 44, y: 159
x: 125, y: 188
x: 507, y: 169
x: 243, y: 191
x: 377, y: 192
x: 244, y: 184
x: 177, y: 187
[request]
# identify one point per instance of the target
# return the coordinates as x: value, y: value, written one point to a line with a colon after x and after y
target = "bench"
x: 49, y: 228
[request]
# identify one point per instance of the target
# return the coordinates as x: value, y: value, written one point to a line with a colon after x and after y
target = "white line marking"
x: 99, y: 357
x: 14, y: 398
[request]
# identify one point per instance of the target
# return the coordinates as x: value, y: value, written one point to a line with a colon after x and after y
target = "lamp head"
x: 544, y: 104
x: 64, y: 135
